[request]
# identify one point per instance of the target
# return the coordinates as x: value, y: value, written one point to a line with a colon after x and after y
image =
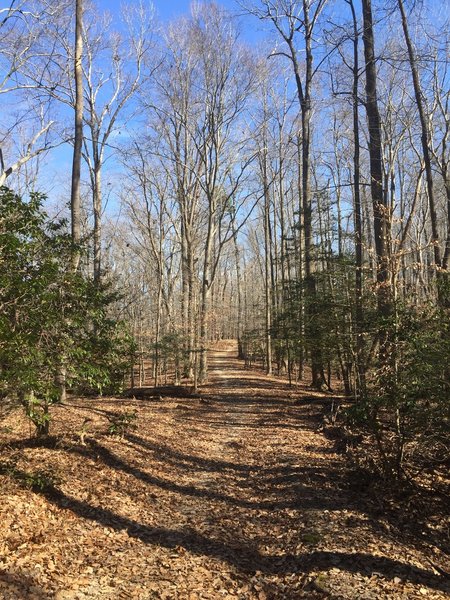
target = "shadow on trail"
x: 246, y: 557
x: 22, y: 586
x: 183, y: 461
x: 254, y: 383
x: 292, y: 496
x: 250, y: 486
x: 285, y: 485
x: 250, y: 413
x: 260, y: 488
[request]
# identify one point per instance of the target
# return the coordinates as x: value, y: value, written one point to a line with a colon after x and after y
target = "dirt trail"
x: 233, y: 495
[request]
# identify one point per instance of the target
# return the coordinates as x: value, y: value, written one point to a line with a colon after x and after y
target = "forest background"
x: 275, y: 172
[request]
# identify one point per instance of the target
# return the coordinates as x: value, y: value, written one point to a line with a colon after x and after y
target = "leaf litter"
x: 235, y: 494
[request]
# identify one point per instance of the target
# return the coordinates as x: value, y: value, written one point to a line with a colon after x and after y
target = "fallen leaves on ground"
x: 234, y: 495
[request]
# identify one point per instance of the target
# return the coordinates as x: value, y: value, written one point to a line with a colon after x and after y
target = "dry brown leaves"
x: 234, y: 496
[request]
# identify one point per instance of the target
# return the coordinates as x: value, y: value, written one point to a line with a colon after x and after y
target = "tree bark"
x: 304, y: 96
x: 381, y: 210
x: 97, y: 206
x: 425, y: 141
x: 75, y: 203
x: 357, y: 215
x: 267, y: 261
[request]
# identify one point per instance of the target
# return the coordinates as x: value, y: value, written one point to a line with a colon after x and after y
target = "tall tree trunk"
x: 267, y: 263
x: 445, y: 175
x: 300, y: 273
x: 304, y: 96
x: 97, y: 206
x: 425, y: 140
x: 381, y: 211
x: 239, y: 289
x: 357, y: 216
x: 75, y: 202
x: 78, y: 140
x: 206, y: 293
x: 188, y: 292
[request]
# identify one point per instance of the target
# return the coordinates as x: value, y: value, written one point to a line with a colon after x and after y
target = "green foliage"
x: 311, y: 537
x: 121, y: 422
x: 42, y: 480
x: 38, y: 413
x: 171, y: 347
x: 105, y: 354
x: 54, y: 322
x: 317, y: 316
x: 253, y: 344
x: 171, y: 352
x: 287, y: 331
x: 407, y: 406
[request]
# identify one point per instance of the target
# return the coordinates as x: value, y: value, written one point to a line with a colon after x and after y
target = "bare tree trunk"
x: 267, y: 263
x: 159, y: 296
x: 381, y: 211
x: 188, y: 291
x: 357, y: 216
x: 425, y: 140
x: 239, y: 290
x: 301, y: 238
x: 304, y: 96
x: 97, y: 205
x: 445, y: 262
x: 206, y: 293
x: 78, y: 141
x: 75, y: 202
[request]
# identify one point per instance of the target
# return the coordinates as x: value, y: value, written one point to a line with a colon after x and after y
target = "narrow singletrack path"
x: 234, y: 494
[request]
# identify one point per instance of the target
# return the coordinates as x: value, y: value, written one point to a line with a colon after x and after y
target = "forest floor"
x: 236, y: 494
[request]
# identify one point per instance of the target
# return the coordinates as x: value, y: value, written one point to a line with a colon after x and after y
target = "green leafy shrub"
x: 121, y: 422
x: 55, y: 324
x: 37, y: 410
x: 407, y: 406
x: 170, y: 353
x: 42, y: 480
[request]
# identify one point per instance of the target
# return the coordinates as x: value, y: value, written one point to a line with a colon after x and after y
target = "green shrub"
x: 121, y: 422
x: 42, y: 480
x: 407, y: 406
x: 55, y: 324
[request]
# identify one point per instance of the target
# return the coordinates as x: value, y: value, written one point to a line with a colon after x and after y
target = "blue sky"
x: 59, y: 162
x: 170, y: 9
x: 166, y: 9
x: 252, y: 31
